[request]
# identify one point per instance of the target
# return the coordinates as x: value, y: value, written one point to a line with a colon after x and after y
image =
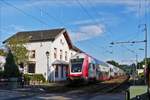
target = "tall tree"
x: 140, y: 64
x: 113, y: 63
x: 2, y: 52
x: 10, y: 67
x: 17, y: 46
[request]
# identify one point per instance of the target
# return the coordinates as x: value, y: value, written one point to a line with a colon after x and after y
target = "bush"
x: 1, y: 74
x: 34, y: 77
x: 10, y: 67
x: 27, y: 77
x: 141, y: 74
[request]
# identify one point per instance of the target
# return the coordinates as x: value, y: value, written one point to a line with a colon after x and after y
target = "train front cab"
x: 79, y: 68
x: 75, y: 69
x: 82, y: 69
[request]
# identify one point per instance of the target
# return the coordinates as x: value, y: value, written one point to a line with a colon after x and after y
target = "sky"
x: 91, y: 24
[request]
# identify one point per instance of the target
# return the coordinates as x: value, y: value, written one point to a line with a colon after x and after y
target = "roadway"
x: 108, y: 90
x: 15, y: 95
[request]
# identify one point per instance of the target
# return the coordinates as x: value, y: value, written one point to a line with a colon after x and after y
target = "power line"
x: 25, y: 13
x: 94, y: 10
x: 126, y: 42
x: 50, y: 16
x: 89, y: 15
x: 82, y: 7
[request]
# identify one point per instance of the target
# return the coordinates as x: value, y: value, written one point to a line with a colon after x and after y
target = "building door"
x: 62, y: 71
x: 56, y: 71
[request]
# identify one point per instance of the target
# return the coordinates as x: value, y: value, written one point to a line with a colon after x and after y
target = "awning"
x: 60, y: 62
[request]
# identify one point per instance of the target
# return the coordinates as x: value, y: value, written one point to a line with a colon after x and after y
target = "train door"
x: 91, y: 70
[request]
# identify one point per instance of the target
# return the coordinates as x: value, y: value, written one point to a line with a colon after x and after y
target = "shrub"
x: 1, y: 74
x: 141, y: 74
x: 10, y: 67
x: 27, y: 77
x: 34, y: 77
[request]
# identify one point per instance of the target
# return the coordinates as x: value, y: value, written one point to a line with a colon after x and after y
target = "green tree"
x: 140, y: 64
x: 2, y: 53
x: 113, y: 63
x: 17, y: 46
x: 10, y: 67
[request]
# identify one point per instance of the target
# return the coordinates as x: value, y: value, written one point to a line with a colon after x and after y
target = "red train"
x: 84, y: 67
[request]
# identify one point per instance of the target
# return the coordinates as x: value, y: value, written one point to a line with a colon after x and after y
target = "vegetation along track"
x: 102, y: 87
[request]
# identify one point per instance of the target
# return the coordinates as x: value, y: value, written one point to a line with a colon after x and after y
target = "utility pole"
x: 147, y: 76
x: 136, y: 63
x: 146, y: 67
x: 145, y: 46
x: 133, y: 42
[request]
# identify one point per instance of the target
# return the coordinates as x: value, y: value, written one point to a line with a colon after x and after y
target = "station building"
x: 49, y: 52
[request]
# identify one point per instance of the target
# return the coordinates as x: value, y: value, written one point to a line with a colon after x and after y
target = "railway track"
x: 102, y: 87
x: 99, y: 87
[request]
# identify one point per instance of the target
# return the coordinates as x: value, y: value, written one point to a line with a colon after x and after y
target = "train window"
x: 76, y: 65
x: 93, y: 66
x: 90, y: 69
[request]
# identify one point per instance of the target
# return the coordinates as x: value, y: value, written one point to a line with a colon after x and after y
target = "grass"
x: 137, y: 90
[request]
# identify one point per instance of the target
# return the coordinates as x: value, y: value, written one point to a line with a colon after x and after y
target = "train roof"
x: 95, y: 60
x: 101, y: 62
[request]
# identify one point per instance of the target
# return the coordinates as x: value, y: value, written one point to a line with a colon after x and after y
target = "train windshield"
x: 76, y: 65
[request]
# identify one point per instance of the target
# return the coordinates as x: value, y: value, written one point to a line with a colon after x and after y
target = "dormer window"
x: 71, y: 54
x: 61, y: 41
x: 66, y: 57
x: 55, y: 53
x: 61, y: 54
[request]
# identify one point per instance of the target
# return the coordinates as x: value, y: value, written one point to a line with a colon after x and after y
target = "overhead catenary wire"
x: 25, y: 13
x: 95, y: 11
x: 50, y: 16
x: 90, y: 16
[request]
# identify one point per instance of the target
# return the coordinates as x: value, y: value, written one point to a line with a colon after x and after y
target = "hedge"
x: 1, y: 74
x: 34, y: 77
x: 141, y: 74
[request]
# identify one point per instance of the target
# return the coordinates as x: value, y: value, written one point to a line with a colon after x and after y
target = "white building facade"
x: 2, y: 62
x: 49, y: 53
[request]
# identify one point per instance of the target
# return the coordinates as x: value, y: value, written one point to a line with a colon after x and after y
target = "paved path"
x: 15, y: 95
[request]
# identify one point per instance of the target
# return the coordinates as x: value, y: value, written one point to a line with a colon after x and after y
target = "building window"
x: 55, y: 53
x: 61, y: 41
x: 66, y: 58
x: 32, y: 54
x: 31, y: 68
x: 71, y: 54
x: 56, y: 71
x: 61, y: 54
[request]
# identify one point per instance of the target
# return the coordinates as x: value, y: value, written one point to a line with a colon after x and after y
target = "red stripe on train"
x: 75, y: 75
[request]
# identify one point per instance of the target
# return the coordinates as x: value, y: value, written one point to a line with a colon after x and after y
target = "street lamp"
x: 47, y: 55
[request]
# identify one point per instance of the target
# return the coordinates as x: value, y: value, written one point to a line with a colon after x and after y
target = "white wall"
x: 60, y: 46
x: 2, y: 62
x: 40, y: 55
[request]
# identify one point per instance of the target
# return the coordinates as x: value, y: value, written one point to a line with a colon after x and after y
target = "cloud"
x: 87, y: 32
x: 103, y: 17
x: 131, y: 6
x: 85, y: 22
